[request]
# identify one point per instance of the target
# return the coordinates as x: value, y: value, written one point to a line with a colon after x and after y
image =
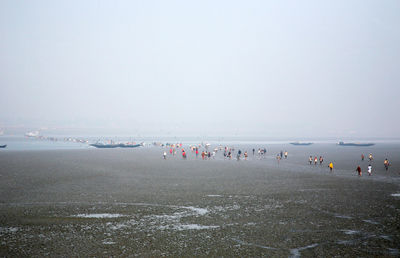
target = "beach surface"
x: 132, y: 202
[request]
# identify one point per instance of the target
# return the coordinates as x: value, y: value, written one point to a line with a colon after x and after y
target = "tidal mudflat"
x: 133, y: 203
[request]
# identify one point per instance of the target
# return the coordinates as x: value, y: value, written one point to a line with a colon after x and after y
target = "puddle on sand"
x: 251, y: 244
x: 350, y: 232
x: 193, y: 227
x: 6, y: 230
x: 99, y: 216
x: 393, y: 251
x: 370, y: 221
x: 295, y: 252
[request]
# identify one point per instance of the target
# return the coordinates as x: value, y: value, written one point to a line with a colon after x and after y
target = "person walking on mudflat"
x: 358, y: 169
x: 386, y: 164
x: 369, y: 169
x: 331, y: 166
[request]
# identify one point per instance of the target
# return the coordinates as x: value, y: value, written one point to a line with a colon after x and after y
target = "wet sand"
x: 131, y: 202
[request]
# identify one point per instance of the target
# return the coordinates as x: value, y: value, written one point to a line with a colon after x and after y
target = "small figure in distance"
x: 358, y: 169
x: 310, y: 159
x: 321, y: 159
x: 286, y: 154
x: 239, y: 154
x: 362, y: 157
x: 369, y: 169
x: 165, y: 155
x: 370, y: 157
x: 386, y: 164
x: 331, y: 166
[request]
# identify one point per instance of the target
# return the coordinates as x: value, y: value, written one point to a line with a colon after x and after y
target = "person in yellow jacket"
x: 331, y: 166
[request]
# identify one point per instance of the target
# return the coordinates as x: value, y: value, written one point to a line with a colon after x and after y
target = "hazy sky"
x: 271, y: 68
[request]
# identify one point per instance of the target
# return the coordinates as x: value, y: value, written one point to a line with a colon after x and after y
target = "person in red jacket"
x: 358, y: 169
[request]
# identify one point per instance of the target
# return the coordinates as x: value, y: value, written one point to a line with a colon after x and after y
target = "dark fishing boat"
x: 115, y: 145
x: 355, y: 144
x: 3, y: 146
x: 102, y: 145
x: 129, y: 145
x: 301, y: 143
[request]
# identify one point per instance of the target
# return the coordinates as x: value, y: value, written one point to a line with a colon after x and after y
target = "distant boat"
x: 355, y: 144
x: 301, y: 143
x: 32, y: 134
x: 129, y: 145
x: 3, y: 146
x: 102, y: 145
x: 115, y: 145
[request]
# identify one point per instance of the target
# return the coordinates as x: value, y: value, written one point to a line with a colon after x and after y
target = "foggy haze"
x: 267, y: 68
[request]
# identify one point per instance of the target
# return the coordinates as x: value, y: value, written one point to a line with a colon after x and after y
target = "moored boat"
x: 301, y: 143
x: 102, y: 145
x: 355, y: 144
x: 129, y: 145
x: 115, y: 145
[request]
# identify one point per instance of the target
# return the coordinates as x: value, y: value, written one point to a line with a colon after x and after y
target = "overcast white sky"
x: 270, y: 68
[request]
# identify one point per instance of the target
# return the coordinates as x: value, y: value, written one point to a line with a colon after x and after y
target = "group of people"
x: 315, y: 159
x: 386, y: 164
x: 358, y: 169
x: 228, y: 153
x: 370, y: 157
x: 281, y: 154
